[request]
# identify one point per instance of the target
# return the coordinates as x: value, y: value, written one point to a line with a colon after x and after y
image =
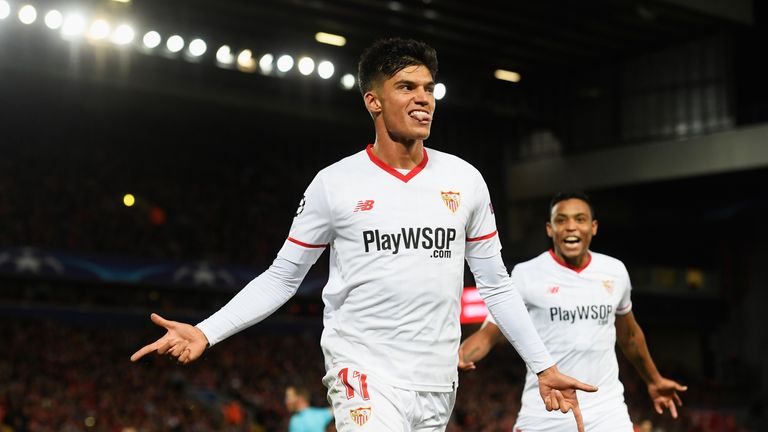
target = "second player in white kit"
x: 574, y: 311
x: 579, y: 301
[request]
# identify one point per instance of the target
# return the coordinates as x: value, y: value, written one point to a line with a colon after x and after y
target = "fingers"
x: 144, y: 351
x: 657, y: 407
x: 556, y: 398
x: 184, y: 357
x: 672, y: 408
x: 680, y: 387
x: 177, y: 349
x: 578, y: 385
x: 677, y: 399
x: 579, y: 419
x: 163, y: 345
x: 467, y: 366
x: 157, y: 319
x: 562, y: 403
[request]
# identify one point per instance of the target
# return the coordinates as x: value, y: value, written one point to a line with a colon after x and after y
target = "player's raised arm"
x: 183, y: 341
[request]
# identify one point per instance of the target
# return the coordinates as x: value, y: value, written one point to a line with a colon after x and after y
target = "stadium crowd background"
x: 218, y: 182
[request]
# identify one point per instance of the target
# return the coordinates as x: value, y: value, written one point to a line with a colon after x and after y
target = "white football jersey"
x: 397, y: 247
x: 574, y: 311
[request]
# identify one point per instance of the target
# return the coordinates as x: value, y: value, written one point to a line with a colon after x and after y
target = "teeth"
x: 419, y: 115
x: 571, y: 239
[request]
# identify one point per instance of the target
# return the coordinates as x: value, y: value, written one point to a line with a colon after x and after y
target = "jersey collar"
x: 568, y: 266
x: 404, y: 177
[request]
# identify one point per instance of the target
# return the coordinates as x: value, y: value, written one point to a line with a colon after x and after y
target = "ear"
x: 594, y: 227
x: 372, y: 102
x: 549, y: 230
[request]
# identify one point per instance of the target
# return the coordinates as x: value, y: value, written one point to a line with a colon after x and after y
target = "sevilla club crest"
x: 361, y: 415
x: 608, y: 285
x: 452, y: 200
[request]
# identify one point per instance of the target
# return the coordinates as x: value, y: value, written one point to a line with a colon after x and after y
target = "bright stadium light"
x: 245, y: 61
x: 53, y: 19
x: 348, y: 81
x: 99, y: 29
x: 306, y: 66
x: 197, y: 47
x: 506, y: 75
x: 439, y: 91
x: 129, y: 200
x: 330, y: 39
x: 284, y: 63
x: 175, y: 43
x: 224, y: 55
x: 265, y: 63
x: 151, y: 39
x: 5, y: 9
x: 74, y: 25
x: 27, y: 14
x: 325, y: 69
x: 123, y: 34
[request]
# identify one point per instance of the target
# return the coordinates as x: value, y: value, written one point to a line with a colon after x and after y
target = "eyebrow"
x: 570, y: 215
x: 414, y: 83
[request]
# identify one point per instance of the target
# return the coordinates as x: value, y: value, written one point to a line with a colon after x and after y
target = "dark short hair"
x: 562, y: 196
x: 386, y: 57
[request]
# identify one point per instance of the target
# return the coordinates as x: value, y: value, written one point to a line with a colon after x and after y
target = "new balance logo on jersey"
x: 438, y: 239
x: 553, y: 290
x: 585, y: 312
x: 363, y: 206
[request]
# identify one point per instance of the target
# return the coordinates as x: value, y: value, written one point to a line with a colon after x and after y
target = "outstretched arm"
x: 662, y: 391
x: 256, y: 301
x: 478, y: 345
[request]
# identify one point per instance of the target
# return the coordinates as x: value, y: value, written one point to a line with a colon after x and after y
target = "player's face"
x: 571, y: 228
x: 406, y: 103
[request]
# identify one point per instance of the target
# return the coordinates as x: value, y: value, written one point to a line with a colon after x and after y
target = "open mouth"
x: 571, y: 240
x: 423, y: 117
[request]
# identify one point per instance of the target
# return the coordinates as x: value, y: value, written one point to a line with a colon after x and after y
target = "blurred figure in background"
x: 305, y: 418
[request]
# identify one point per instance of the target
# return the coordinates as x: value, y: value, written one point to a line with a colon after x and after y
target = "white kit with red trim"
x: 574, y: 311
x: 397, y: 246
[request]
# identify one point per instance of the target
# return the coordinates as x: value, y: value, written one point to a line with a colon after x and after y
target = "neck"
x: 576, y: 262
x: 399, y: 155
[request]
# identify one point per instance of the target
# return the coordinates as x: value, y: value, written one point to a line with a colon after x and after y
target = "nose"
x: 421, y: 96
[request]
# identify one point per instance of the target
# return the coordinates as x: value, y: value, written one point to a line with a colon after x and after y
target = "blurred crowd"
x: 61, y: 376
x: 209, y: 206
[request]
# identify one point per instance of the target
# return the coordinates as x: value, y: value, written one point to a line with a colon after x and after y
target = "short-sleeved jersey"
x: 397, y: 248
x: 574, y: 312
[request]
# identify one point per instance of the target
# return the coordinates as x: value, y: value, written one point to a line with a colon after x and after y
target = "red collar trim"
x: 404, y: 177
x: 568, y: 266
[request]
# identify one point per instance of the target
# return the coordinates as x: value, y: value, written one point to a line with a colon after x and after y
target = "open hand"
x: 664, y: 395
x: 559, y: 393
x: 183, y: 341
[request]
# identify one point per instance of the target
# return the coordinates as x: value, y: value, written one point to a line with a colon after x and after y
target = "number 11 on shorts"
x: 361, y: 381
